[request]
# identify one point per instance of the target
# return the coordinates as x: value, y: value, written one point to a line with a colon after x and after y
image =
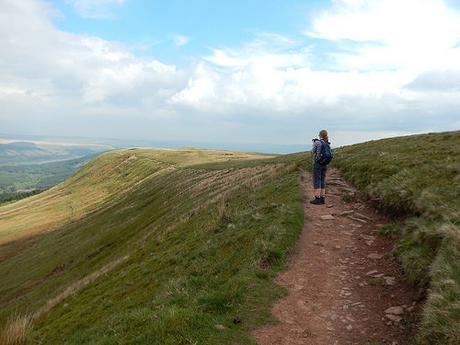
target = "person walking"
x: 322, y: 156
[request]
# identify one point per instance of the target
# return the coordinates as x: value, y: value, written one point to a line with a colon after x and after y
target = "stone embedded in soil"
x: 375, y: 256
x: 394, y: 318
x: 327, y: 217
x: 221, y: 327
x: 372, y: 272
x: 363, y: 216
x: 389, y: 280
x: 397, y: 310
x: 357, y: 219
x: 344, y: 213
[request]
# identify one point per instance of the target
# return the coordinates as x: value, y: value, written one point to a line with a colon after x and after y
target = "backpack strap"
x: 323, y: 147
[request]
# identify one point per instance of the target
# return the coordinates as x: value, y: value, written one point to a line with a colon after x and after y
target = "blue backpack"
x: 326, y: 153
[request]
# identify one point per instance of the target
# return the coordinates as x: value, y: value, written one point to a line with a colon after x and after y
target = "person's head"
x: 323, y: 135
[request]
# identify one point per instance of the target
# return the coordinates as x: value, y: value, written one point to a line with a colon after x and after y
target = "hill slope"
x: 150, y: 247
x: 419, y: 177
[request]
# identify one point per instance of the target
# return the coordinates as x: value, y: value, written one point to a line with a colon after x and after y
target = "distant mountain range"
x: 22, y: 152
x: 112, y: 143
x: 28, y: 167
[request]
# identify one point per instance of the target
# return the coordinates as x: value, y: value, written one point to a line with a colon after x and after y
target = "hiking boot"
x: 322, y: 200
x: 316, y: 201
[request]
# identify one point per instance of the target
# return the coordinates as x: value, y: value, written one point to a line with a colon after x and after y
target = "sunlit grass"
x: 104, y: 179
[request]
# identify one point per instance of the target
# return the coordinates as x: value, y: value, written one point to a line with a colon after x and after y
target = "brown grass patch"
x: 15, y: 330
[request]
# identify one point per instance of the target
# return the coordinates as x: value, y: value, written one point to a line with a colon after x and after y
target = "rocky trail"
x: 343, y: 286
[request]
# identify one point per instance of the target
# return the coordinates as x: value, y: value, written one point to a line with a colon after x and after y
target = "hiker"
x: 322, y: 156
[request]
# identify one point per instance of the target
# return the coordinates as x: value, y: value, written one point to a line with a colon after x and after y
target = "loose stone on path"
x: 375, y: 256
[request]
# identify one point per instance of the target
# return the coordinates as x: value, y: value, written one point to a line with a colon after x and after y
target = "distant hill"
x: 12, y: 150
x: 20, y: 152
x: 21, y: 180
x: 27, y: 167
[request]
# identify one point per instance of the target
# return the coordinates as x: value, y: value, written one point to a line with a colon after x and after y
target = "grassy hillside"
x: 150, y: 247
x: 419, y: 177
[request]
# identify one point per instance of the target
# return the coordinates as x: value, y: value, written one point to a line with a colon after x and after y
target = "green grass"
x: 179, y: 242
x: 418, y: 177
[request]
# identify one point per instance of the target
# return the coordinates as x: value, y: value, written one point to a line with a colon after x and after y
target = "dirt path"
x: 340, y: 282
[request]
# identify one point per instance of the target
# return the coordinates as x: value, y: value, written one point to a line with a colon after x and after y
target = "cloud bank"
x: 391, y: 67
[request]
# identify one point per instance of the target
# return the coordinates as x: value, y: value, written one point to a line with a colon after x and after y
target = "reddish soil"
x: 341, y: 279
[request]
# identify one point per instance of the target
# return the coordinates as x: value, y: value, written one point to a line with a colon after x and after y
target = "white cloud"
x: 278, y: 79
x: 201, y: 90
x: 95, y: 9
x: 382, y: 51
x: 383, y: 78
x: 180, y: 40
x: 410, y: 34
x: 441, y: 81
x: 57, y: 66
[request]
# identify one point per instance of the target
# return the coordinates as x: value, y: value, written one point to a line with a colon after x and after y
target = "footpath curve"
x: 343, y: 286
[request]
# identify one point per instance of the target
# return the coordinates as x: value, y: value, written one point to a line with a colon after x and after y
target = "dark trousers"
x: 319, y: 176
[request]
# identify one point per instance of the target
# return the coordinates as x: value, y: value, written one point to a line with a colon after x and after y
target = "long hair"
x: 323, y: 135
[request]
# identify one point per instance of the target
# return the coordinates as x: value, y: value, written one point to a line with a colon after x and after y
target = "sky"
x: 265, y: 72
